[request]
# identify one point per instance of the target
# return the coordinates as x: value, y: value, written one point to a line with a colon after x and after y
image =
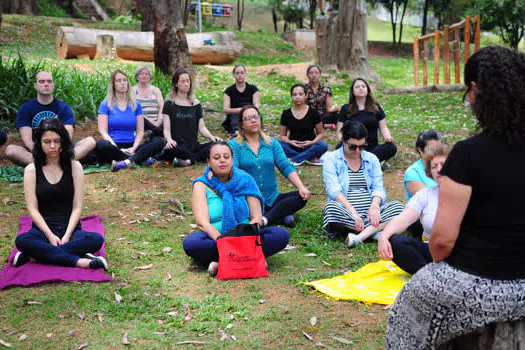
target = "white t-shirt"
x: 425, y: 203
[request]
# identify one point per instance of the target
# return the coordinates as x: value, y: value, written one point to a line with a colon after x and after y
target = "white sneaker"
x: 213, y: 267
x: 352, y: 240
x: 298, y: 163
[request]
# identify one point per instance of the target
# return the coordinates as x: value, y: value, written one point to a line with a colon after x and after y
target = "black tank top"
x: 55, y: 202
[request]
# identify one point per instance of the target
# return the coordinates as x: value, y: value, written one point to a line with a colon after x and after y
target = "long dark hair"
x: 370, y: 104
x: 499, y: 105
x: 175, y: 89
x: 66, y: 147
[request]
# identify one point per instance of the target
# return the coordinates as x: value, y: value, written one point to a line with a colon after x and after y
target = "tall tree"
x: 342, y: 40
x: 507, y: 16
x: 170, y: 46
x: 394, y: 7
x: 240, y: 13
x: 23, y: 7
x: 425, y: 17
x: 145, y: 8
x: 186, y: 11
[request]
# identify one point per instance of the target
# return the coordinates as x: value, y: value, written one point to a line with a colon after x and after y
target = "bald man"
x: 44, y: 106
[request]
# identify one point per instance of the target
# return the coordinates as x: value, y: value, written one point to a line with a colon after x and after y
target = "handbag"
x: 241, y: 253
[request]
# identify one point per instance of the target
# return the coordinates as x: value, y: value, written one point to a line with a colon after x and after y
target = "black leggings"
x: 106, y: 151
x: 285, y: 204
x: 409, y: 253
x: 198, y: 154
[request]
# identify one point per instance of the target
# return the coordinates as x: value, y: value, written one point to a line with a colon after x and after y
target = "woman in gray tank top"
x: 150, y: 97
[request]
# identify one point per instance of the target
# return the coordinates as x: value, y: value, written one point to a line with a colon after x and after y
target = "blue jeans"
x: 298, y: 155
x: 202, y: 248
x: 35, y: 244
x: 409, y: 253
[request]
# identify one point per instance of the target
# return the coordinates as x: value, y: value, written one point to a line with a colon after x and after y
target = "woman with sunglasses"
x: 362, y: 107
x: 258, y: 155
x: 356, y: 204
x: 478, y: 237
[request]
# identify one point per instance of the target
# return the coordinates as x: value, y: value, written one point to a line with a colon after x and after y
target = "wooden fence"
x: 450, y: 36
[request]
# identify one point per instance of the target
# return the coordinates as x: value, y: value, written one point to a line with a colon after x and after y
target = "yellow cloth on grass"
x: 378, y: 282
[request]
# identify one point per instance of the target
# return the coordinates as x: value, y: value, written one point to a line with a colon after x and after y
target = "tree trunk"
x: 105, y: 47
x: 405, y: 4
x: 311, y: 10
x: 170, y: 47
x: 146, y: 11
x: 393, y: 23
x: 425, y: 17
x: 186, y: 11
x: 274, y: 18
x: 23, y: 7
x: 341, y: 40
x: 240, y: 13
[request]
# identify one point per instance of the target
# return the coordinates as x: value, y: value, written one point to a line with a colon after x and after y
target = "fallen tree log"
x: 72, y: 42
x: 425, y: 89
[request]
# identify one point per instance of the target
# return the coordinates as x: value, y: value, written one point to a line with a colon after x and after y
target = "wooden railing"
x: 447, y: 33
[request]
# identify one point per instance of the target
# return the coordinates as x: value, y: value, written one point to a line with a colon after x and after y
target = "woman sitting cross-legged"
x: 258, y: 155
x: 54, y: 193
x: 183, y: 121
x: 222, y: 198
x: 301, y: 130
x: 354, y: 184
x: 408, y: 253
x: 121, y: 125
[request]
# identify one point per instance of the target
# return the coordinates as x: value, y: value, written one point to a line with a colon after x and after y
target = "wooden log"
x: 424, y: 89
x: 425, y: 63
x: 436, y: 57
x: 466, y: 48
x: 72, y: 42
x: 416, y: 61
x: 456, y: 56
x: 105, y: 47
x: 495, y: 336
x: 477, y: 33
x: 446, y: 55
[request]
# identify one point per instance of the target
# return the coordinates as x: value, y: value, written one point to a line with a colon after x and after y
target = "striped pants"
x: 335, y: 213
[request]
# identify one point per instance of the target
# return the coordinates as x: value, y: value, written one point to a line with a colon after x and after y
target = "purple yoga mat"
x: 34, y: 273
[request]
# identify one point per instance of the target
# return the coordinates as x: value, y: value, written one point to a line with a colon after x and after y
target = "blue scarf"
x: 233, y: 193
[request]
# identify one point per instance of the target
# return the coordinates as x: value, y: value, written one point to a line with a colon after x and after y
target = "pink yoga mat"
x: 33, y: 273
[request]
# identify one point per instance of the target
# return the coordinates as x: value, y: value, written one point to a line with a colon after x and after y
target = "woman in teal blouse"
x: 258, y: 155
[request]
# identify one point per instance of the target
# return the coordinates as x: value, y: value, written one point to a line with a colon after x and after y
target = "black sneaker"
x: 98, y: 262
x: 19, y: 259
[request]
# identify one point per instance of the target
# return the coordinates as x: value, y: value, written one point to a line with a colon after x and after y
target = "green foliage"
x: 51, y: 9
x: 17, y: 85
x: 506, y: 16
x: 128, y: 19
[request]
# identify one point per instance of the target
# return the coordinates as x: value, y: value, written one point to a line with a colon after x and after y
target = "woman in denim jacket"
x: 356, y: 204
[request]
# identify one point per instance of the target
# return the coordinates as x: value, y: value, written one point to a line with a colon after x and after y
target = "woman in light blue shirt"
x: 258, y: 155
x: 356, y: 204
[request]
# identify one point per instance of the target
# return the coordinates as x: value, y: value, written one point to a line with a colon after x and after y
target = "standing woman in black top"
x: 237, y: 96
x: 54, y: 193
x: 478, y: 237
x: 361, y: 107
x: 302, y: 130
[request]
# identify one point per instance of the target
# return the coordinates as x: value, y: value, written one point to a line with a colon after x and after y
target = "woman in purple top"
x: 121, y: 125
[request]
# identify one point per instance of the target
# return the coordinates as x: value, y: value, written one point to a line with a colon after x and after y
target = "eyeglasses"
x: 465, y: 98
x: 253, y: 117
x: 353, y: 147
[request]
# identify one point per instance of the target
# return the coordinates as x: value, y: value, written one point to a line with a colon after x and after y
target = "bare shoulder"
x: 76, y: 166
x: 30, y: 169
x: 196, y: 102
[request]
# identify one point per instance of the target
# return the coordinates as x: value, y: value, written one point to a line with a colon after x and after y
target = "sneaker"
x: 98, y: 262
x: 352, y: 240
x: 180, y: 163
x: 154, y: 163
x: 19, y: 259
x: 150, y: 161
x: 315, y: 161
x: 213, y: 267
x: 385, y: 166
x: 118, y: 165
x: 334, y: 11
x: 322, y: 16
x: 298, y: 163
x: 289, y: 221
x: 89, y: 256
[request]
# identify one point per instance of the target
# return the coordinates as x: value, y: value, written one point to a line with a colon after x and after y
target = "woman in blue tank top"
x: 54, y: 193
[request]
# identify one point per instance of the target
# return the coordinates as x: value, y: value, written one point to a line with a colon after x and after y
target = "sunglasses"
x: 465, y: 99
x: 253, y: 117
x: 353, y: 147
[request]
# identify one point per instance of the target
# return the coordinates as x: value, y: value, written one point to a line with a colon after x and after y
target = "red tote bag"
x: 241, y: 254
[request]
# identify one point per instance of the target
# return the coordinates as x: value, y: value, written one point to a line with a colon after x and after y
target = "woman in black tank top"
x: 54, y: 193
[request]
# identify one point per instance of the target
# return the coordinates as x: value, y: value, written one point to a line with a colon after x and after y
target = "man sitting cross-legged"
x: 44, y: 106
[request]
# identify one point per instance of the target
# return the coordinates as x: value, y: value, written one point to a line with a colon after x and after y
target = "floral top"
x: 317, y: 100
